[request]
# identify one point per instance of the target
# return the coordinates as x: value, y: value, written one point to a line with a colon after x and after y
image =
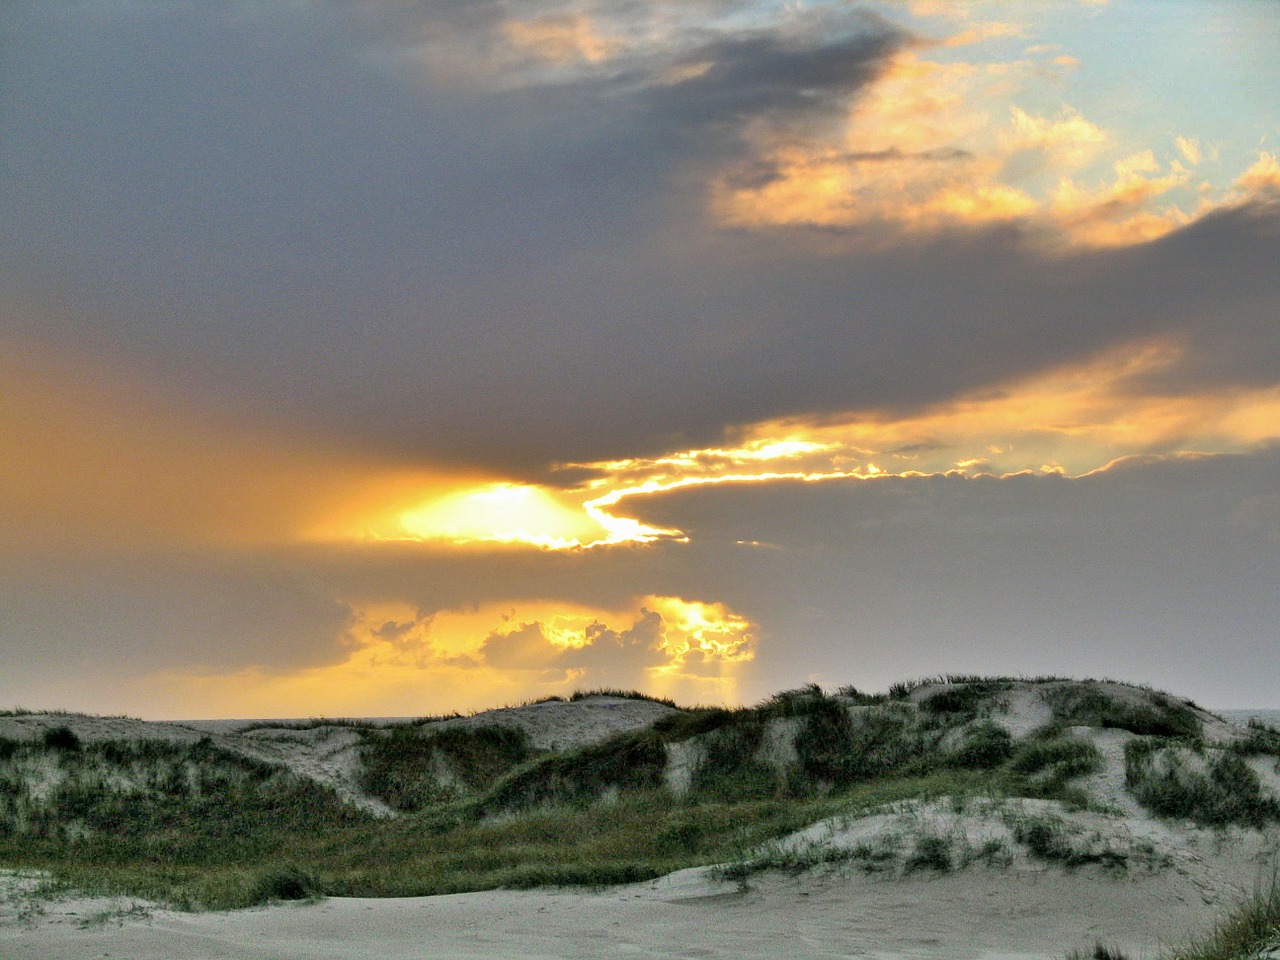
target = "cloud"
x: 101, y: 463
x: 562, y: 38
x: 1147, y: 571
x: 400, y: 660
x: 290, y: 284
x: 1262, y: 179
x: 1069, y: 141
x: 1189, y: 147
x: 984, y: 31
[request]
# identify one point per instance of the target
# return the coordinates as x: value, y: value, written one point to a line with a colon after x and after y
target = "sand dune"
x: 842, y: 887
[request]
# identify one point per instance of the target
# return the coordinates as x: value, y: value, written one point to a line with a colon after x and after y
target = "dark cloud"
x: 136, y: 613
x: 296, y: 213
x: 281, y: 210
x: 785, y: 79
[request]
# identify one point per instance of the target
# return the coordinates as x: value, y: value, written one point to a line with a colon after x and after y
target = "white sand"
x: 978, y: 914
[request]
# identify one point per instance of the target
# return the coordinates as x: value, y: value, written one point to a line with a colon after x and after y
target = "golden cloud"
x: 922, y: 151
x: 401, y: 661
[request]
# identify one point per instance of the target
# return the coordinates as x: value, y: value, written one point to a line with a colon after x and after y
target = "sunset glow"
x: 502, y: 513
x: 1070, y: 421
x: 390, y: 656
x: 402, y: 358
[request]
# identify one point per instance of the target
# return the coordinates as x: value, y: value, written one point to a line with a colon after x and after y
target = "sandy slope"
x: 978, y: 914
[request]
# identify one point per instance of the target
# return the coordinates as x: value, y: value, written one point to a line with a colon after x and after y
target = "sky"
x: 393, y: 358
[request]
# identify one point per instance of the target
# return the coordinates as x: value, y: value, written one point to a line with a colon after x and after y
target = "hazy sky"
x: 388, y: 358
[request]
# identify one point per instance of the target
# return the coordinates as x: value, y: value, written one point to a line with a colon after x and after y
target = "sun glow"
x: 503, y: 513
x: 398, y: 659
x: 1069, y: 420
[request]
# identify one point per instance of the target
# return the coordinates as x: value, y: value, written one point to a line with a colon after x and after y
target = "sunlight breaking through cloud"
x: 401, y: 660
x: 1070, y: 420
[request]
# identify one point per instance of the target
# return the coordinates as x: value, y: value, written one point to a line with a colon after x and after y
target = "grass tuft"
x: 1089, y: 707
x: 411, y: 768
x: 1208, y: 786
x: 622, y: 694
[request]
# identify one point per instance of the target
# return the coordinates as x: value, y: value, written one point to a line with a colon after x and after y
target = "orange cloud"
x: 923, y: 150
x: 561, y: 39
x: 1069, y: 142
x: 981, y: 32
x: 1069, y: 420
x: 1118, y: 213
x: 400, y: 661
x: 1189, y: 148
x: 1262, y: 177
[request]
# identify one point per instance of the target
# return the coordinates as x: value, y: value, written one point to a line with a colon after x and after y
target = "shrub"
x: 839, y: 750
x: 1261, y: 740
x: 1226, y: 791
x: 1163, y: 717
x: 627, y: 761
x: 622, y: 694
x: 286, y: 882
x: 985, y: 745
x: 799, y: 702
x: 729, y: 771
x: 850, y: 692
x: 1064, y: 759
x: 692, y: 723
x: 61, y: 738
x: 963, y: 698
x: 931, y: 853
x: 402, y: 767
x: 826, y: 744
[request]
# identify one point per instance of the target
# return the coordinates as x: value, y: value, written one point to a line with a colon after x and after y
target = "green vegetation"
x: 985, y: 746
x: 931, y: 852
x: 622, y: 694
x: 1092, y: 707
x: 479, y: 807
x: 411, y: 768
x: 1261, y: 741
x: 1051, y: 839
x: 632, y: 761
x: 1051, y: 763
x: 1252, y: 930
x: 1212, y: 787
x: 968, y: 698
x: 61, y: 738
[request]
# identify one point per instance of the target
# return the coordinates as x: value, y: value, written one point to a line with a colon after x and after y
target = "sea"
x: 1270, y: 717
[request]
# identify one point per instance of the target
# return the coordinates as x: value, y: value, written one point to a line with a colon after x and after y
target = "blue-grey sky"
x: 395, y: 357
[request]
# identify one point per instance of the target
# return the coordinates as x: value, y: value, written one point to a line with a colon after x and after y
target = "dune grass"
x: 195, y: 824
x: 1212, y: 787
x: 411, y: 768
x: 1163, y: 716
